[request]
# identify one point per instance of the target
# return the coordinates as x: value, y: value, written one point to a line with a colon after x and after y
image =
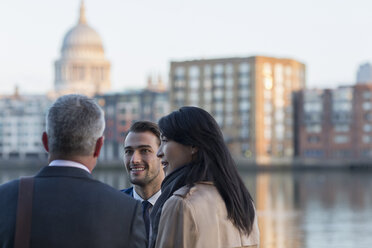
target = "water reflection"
x: 295, y: 210
x: 313, y: 209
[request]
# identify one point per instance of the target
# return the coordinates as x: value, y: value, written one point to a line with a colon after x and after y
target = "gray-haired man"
x: 70, y: 208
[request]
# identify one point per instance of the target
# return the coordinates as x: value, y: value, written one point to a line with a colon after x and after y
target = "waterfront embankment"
x: 242, y: 163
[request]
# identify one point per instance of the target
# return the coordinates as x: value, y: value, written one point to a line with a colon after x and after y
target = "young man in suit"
x: 143, y: 166
x: 69, y: 207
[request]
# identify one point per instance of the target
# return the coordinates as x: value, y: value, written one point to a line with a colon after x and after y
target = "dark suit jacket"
x: 71, y: 209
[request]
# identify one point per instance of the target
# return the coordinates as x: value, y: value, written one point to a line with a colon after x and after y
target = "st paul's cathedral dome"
x: 82, y: 67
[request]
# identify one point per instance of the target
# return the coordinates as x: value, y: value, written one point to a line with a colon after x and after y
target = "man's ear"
x: 44, y: 139
x: 98, y: 147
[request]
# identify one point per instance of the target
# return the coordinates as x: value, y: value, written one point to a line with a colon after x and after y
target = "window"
x: 266, y: 69
x: 367, y: 95
x: 342, y: 128
x: 279, y: 116
x: 367, y: 128
x: 288, y: 71
x: 314, y: 128
x: 229, y: 69
x: 279, y: 131
x: 279, y: 73
x: 313, y: 139
x: 267, y: 133
x: 194, y: 98
x: 218, y: 71
x: 244, y: 68
x: 367, y: 139
x: 244, y: 132
x: 194, y: 72
x: 313, y: 107
x: 311, y: 153
x: 194, y: 84
x: 341, y: 139
x: 218, y: 94
x: 367, y: 106
x: 244, y: 106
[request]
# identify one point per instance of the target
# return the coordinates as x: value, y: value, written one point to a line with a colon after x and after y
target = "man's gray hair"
x: 73, y: 125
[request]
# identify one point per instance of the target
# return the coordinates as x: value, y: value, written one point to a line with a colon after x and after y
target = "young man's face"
x: 140, y: 159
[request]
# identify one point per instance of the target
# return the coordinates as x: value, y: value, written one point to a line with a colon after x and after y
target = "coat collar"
x: 63, y: 171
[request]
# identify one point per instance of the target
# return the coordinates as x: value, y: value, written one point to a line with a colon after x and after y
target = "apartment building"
x: 250, y: 98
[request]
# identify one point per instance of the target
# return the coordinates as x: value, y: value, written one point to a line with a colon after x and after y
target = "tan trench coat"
x: 197, y: 218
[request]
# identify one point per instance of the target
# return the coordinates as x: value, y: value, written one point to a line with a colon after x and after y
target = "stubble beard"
x: 146, y: 180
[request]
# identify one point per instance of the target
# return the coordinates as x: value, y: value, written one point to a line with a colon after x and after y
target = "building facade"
x: 364, y: 74
x: 22, y: 122
x: 122, y: 110
x: 335, y: 123
x: 250, y: 98
x: 82, y: 67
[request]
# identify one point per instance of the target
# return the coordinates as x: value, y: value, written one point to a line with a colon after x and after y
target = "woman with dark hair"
x: 204, y: 202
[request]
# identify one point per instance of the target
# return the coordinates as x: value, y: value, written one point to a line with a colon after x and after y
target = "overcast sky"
x: 140, y: 37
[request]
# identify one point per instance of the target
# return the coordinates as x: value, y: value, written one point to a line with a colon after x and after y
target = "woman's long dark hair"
x: 194, y: 126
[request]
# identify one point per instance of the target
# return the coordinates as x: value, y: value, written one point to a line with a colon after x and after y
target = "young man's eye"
x: 127, y: 151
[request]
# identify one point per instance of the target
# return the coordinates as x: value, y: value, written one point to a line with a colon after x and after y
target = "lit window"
x: 279, y: 74
x: 268, y: 83
x: 267, y: 69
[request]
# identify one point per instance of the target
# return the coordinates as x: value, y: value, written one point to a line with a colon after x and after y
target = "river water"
x: 295, y: 209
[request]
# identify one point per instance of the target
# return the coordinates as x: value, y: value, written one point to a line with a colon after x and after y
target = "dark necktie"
x: 146, y: 215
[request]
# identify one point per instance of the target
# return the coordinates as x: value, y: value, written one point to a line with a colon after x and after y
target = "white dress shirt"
x: 152, y: 199
x: 68, y: 163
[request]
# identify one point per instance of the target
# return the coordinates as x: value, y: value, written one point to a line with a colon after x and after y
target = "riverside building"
x: 335, y: 123
x: 250, y: 98
x: 22, y: 122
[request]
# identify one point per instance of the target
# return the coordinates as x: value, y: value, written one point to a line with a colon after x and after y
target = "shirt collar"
x: 152, y: 199
x: 68, y: 163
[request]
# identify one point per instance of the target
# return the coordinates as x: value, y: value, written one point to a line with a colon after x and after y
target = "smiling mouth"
x: 137, y: 168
